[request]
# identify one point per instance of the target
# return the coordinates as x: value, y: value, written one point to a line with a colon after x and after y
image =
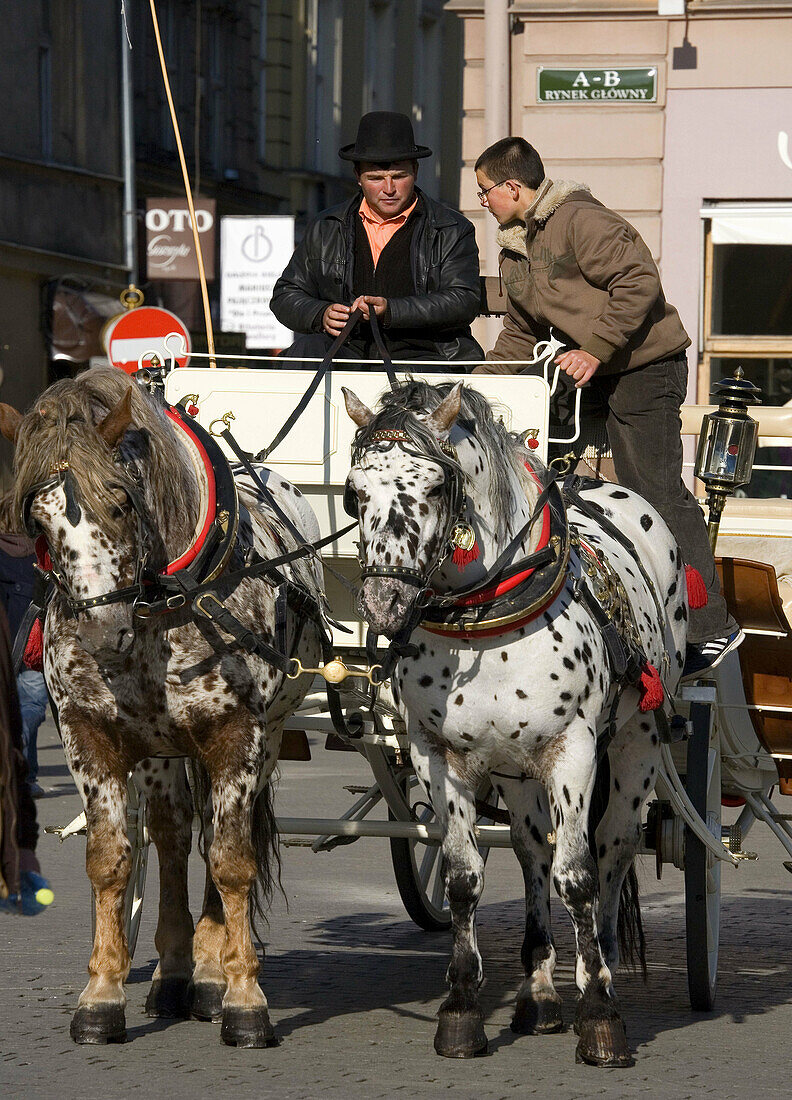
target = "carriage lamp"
x: 727, y: 444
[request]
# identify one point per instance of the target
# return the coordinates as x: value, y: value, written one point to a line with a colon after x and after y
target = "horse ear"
x: 117, y: 420
x: 10, y: 420
x: 360, y: 413
x: 447, y: 411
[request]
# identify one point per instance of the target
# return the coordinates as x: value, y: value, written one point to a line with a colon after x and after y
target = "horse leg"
x: 538, y: 1008
x: 602, y: 1040
x: 240, y: 812
x: 208, y: 981
x: 170, y: 823
x: 100, y: 1012
x: 633, y: 757
x: 460, y: 1029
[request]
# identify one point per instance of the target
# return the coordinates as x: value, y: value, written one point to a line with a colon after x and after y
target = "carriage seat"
x: 752, y: 594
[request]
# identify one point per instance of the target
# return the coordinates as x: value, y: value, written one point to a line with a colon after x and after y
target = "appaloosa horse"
x: 519, y: 688
x: 112, y: 483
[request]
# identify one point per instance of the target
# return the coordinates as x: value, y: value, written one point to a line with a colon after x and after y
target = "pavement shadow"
x: 366, y: 962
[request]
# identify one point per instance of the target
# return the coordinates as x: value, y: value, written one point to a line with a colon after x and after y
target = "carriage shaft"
x: 489, y: 836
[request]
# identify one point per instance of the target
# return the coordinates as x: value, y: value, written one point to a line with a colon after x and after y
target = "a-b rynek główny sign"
x: 170, y: 249
x: 596, y: 85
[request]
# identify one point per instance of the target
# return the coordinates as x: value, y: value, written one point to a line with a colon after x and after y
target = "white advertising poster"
x: 253, y: 253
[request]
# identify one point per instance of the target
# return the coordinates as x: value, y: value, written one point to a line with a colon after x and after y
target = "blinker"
x: 73, y: 512
x: 350, y: 500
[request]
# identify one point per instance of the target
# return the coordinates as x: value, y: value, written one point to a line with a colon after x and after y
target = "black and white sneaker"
x: 701, y: 659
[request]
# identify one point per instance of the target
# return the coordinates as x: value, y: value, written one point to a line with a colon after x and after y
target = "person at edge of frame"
x: 391, y: 249
x: 570, y: 263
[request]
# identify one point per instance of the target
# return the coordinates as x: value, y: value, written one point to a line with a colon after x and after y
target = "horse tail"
x: 263, y: 837
x: 629, y: 925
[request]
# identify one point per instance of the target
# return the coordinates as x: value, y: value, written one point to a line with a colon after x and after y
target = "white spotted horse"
x: 139, y: 513
x: 530, y: 635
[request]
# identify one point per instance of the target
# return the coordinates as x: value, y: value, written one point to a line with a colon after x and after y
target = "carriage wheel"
x: 138, y: 839
x: 702, y: 869
x: 420, y: 868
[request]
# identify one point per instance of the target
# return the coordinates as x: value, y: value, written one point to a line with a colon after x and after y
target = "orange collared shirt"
x: 379, y: 232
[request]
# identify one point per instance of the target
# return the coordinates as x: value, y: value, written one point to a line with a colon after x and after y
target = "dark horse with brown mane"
x: 115, y: 485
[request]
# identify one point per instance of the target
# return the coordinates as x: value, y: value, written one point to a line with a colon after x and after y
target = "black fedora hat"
x: 384, y: 137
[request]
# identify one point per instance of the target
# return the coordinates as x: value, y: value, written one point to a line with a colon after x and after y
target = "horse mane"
x: 406, y: 408
x: 61, y: 427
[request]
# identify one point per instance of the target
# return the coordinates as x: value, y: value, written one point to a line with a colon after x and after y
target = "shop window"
x: 747, y: 318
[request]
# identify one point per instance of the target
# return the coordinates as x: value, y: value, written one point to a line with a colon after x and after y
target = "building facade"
x: 701, y: 164
x: 265, y: 92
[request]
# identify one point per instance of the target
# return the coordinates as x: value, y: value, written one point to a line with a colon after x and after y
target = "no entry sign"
x: 143, y: 331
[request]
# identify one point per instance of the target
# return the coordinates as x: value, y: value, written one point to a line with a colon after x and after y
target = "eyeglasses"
x: 483, y: 194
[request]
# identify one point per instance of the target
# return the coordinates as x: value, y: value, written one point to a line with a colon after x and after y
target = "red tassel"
x: 34, y: 650
x: 462, y: 558
x: 696, y: 589
x: 193, y: 410
x: 43, y: 559
x: 651, y: 687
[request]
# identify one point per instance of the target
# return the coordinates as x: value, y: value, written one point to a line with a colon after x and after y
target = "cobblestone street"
x: 353, y: 985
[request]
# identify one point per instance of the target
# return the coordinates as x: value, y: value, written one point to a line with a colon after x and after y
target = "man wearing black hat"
x: 390, y: 249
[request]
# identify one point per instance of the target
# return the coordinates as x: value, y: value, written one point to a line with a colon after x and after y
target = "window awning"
x: 750, y: 223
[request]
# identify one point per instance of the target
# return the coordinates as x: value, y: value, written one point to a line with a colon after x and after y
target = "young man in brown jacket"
x: 570, y: 264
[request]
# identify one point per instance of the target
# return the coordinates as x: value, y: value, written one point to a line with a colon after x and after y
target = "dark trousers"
x: 645, y: 432
x: 317, y: 344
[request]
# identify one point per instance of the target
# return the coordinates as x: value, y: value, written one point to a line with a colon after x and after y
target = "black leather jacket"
x: 445, y: 270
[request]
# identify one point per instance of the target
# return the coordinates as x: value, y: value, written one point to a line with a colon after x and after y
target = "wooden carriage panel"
x: 751, y: 592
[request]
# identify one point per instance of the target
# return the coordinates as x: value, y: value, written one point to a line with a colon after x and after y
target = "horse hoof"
x: 460, y: 1036
x: 104, y: 1023
x: 206, y: 1001
x: 247, y: 1027
x: 603, y: 1043
x: 540, y: 1017
x: 169, y: 998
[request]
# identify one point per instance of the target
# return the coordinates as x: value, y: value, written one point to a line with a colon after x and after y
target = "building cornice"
x: 50, y: 167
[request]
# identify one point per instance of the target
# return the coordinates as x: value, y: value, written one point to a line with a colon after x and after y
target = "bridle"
x: 59, y: 473
x: 454, y: 483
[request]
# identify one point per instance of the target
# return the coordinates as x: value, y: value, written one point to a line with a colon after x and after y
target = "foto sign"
x: 253, y: 253
x: 170, y: 248
x: 596, y: 85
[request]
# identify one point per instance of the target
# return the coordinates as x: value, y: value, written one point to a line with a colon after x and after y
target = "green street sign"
x: 596, y: 85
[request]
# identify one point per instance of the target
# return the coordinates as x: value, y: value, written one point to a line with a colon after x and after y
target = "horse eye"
x: 76, y: 419
x: 435, y: 491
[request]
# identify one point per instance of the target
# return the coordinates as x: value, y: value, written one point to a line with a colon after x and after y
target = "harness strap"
x: 302, y: 404
x: 271, y: 566
x: 615, y: 644
x: 572, y: 485
x: 387, y: 362
x: 208, y: 606
x: 498, y: 571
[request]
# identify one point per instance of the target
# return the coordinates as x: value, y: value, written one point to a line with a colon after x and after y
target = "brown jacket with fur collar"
x: 586, y: 272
